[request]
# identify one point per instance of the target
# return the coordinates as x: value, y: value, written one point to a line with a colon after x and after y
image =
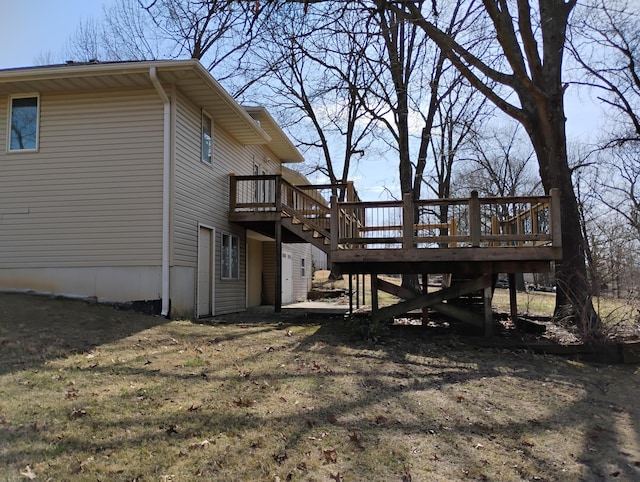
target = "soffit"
x: 188, y: 75
x: 280, y: 144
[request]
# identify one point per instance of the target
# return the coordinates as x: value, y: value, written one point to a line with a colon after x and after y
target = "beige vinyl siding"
x: 201, y: 195
x: 92, y: 195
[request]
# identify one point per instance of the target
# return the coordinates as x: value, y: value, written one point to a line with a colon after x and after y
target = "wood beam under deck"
x: 435, y: 300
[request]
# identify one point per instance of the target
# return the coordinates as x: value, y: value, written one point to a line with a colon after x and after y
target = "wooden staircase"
x: 308, y: 231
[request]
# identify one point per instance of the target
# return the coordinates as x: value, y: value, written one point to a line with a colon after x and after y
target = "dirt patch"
x: 93, y: 393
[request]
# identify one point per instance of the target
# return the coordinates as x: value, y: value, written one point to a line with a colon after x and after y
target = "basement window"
x: 230, y: 257
x: 23, y: 122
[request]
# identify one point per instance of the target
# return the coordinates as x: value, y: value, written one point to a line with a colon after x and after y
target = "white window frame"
x: 10, y: 116
x: 229, y: 267
x: 205, y: 117
x: 303, y: 268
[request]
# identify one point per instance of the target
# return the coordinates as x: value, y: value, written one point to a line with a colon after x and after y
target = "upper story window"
x: 23, y: 122
x: 207, y: 139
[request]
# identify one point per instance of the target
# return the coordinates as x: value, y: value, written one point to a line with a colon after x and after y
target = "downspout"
x: 166, y: 189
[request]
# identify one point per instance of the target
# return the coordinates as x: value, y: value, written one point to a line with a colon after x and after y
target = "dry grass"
x: 92, y: 393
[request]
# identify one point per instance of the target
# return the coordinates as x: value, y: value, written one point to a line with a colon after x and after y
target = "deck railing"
x: 521, y: 221
x: 440, y: 223
x: 261, y: 194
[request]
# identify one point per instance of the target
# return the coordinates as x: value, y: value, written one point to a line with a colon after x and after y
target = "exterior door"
x: 205, y: 272
x: 287, y: 278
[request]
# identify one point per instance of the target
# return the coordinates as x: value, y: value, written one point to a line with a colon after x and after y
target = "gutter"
x: 166, y: 189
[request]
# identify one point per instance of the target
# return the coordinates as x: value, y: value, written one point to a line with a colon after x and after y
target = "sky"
x: 30, y: 29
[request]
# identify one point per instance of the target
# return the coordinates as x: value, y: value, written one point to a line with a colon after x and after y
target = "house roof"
x: 280, y: 144
x: 188, y: 75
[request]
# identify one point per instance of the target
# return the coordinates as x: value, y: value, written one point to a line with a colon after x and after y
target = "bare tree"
x: 526, y: 62
x: 309, y: 65
x: 605, y: 42
x: 501, y: 164
x: 606, y: 45
x: 125, y: 32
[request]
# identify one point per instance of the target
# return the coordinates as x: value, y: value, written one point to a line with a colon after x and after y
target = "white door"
x: 287, y: 278
x: 205, y: 272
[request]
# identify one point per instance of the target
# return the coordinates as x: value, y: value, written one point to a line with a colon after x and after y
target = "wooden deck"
x: 471, y: 238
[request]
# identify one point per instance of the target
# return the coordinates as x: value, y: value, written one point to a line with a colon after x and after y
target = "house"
x: 114, y: 185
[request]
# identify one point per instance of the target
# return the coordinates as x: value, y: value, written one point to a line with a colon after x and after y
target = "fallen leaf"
x: 199, y: 445
x: 243, y: 402
x: 280, y: 457
x: 356, y: 440
x: 28, y: 473
x: 330, y: 456
x: 406, y: 475
x: 77, y: 413
x: 337, y: 477
x: 459, y: 398
x: 381, y: 420
x: 193, y: 408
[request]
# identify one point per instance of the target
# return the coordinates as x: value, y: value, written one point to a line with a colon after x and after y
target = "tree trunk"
x: 546, y: 127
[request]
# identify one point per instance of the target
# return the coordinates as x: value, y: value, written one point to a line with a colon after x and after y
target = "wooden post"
x: 513, y: 303
x: 374, y: 294
x: 350, y: 294
x: 335, y: 223
x: 364, y: 302
x: 277, y: 301
x: 277, y: 294
x: 554, y: 212
x: 233, y: 192
x: 474, y: 219
x: 488, y: 312
x: 495, y: 229
x: 357, y: 291
x: 407, y: 221
x: 425, y: 290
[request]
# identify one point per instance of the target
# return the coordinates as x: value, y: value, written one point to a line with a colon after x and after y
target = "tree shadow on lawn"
x: 37, y: 328
x: 412, y: 403
x: 547, y: 394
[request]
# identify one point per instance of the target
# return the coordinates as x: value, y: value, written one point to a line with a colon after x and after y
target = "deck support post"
x: 425, y: 290
x: 277, y: 294
x: 488, y: 312
x: 357, y: 291
x: 513, y: 302
x: 374, y: 295
x: 351, y: 294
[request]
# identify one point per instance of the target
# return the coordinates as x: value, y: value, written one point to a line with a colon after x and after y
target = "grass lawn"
x: 92, y: 393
